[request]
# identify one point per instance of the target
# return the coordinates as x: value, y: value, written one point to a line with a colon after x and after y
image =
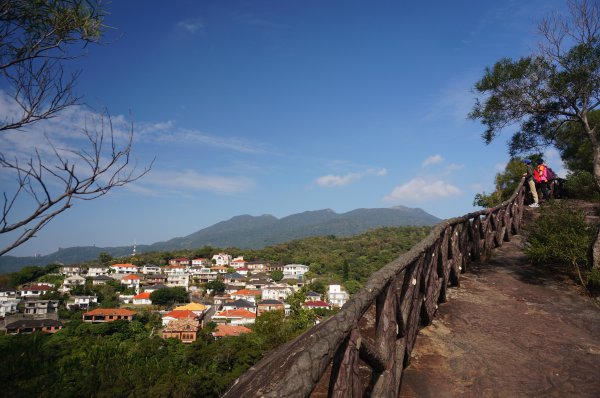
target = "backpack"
x: 536, y: 175
x: 550, y: 174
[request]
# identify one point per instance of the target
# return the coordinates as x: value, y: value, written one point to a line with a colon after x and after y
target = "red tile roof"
x: 123, y: 266
x: 143, y: 295
x: 230, y: 330
x: 246, y: 292
x: 131, y: 277
x: 180, y: 314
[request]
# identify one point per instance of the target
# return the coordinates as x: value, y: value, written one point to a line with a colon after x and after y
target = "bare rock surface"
x: 510, y: 330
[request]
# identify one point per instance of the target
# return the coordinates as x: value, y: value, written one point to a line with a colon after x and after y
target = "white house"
x: 235, y: 317
x: 296, y: 271
x: 82, y: 302
x: 238, y: 262
x: 276, y: 292
x: 40, y: 307
x: 175, y: 270
x: 151, y: 269
x: 8, y: 307
x: 35, y: 290
x: 132, y: 281
x: 336, y: 295
x: 222, y: 259
x: 100, y: 280
x: 97, y: 271
x: 124, y: 269
x: 200, y: 262
x: 142, y: 299
x: 70, y: 270
x: 7, y: 295
x: 175, y: 280
x: 72, y: 282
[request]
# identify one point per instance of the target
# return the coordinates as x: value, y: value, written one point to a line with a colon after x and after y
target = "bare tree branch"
x: 36, y: 39
x: 85, y: 177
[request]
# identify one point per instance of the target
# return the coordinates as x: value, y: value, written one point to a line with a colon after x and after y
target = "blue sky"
x: 278, y: 107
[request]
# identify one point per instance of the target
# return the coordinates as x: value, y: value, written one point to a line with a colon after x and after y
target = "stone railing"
x: 363, y: 349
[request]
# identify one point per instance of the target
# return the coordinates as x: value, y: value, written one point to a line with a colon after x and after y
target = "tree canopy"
x: 545, y: 91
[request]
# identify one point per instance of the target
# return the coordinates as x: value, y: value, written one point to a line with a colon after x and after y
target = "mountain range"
x: 248, y: 232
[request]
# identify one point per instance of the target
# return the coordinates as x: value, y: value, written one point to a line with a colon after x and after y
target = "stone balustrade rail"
x: 364, y: 348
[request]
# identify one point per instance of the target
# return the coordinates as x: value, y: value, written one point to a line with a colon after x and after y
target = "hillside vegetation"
x: 121, y: 359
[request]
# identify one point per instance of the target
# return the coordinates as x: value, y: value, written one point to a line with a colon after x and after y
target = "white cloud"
x: 419, y: 189
x: 195, y: 137
x: 331, y: 180
x: 435, y: 159
x: 190, y: 25
x: 190, y: 180
x: 454, y: 167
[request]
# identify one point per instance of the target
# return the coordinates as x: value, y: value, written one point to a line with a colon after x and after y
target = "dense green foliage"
x: 574, y: 146
x: 505, y: 182
x: 581, y: 185
x: 121, y: 359
x: 561, y: 236
x: 216, y: 287
x: 29, y: 274
x: 169, y: 296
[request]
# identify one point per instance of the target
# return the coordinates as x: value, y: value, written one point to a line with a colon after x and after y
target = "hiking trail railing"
x: 363, y: 349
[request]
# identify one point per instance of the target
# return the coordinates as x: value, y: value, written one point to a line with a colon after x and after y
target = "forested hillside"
x: 121, y: 359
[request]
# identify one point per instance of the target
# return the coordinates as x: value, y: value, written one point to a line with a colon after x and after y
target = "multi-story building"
x: 296, y: 271
x: 337, y: 296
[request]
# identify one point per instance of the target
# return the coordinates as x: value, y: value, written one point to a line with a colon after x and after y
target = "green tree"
x: 169, y: 296
x: 544, y: 91
x: 505, y: 182
x: 574, y: 147
x: 216, y: 286
x: 104, y: 258
x: 277, y: 275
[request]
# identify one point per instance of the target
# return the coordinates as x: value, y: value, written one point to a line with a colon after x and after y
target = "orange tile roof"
x: 110, y: 311
x: 143, y: 295
x: 123, y: 265
x: 180, y: 314
x: 131, y: 277
x: 230, y: 330
x: 246, y: 292
x: 236, y: 314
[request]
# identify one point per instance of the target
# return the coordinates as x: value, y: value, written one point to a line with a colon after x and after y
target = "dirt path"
x: 509, y: 331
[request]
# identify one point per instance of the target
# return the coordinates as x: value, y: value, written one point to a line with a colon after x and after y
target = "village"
x: 224, y: 292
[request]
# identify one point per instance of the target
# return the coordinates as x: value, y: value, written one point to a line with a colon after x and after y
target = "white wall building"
x: 276, y: 292
x: 178, y: 280
x: 336, y: 295
x: 97, y: 271
x: 296, y: 271
x: 222, y: 259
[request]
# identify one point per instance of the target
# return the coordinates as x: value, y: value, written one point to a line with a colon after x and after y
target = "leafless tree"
x: 36, y: 39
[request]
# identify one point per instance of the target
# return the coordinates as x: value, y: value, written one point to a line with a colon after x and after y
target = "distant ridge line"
x: 249, y: 232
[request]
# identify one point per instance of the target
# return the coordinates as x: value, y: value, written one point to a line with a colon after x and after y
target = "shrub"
x: 581, y: 185
x: 593, y: 281
x: 561, y: 236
